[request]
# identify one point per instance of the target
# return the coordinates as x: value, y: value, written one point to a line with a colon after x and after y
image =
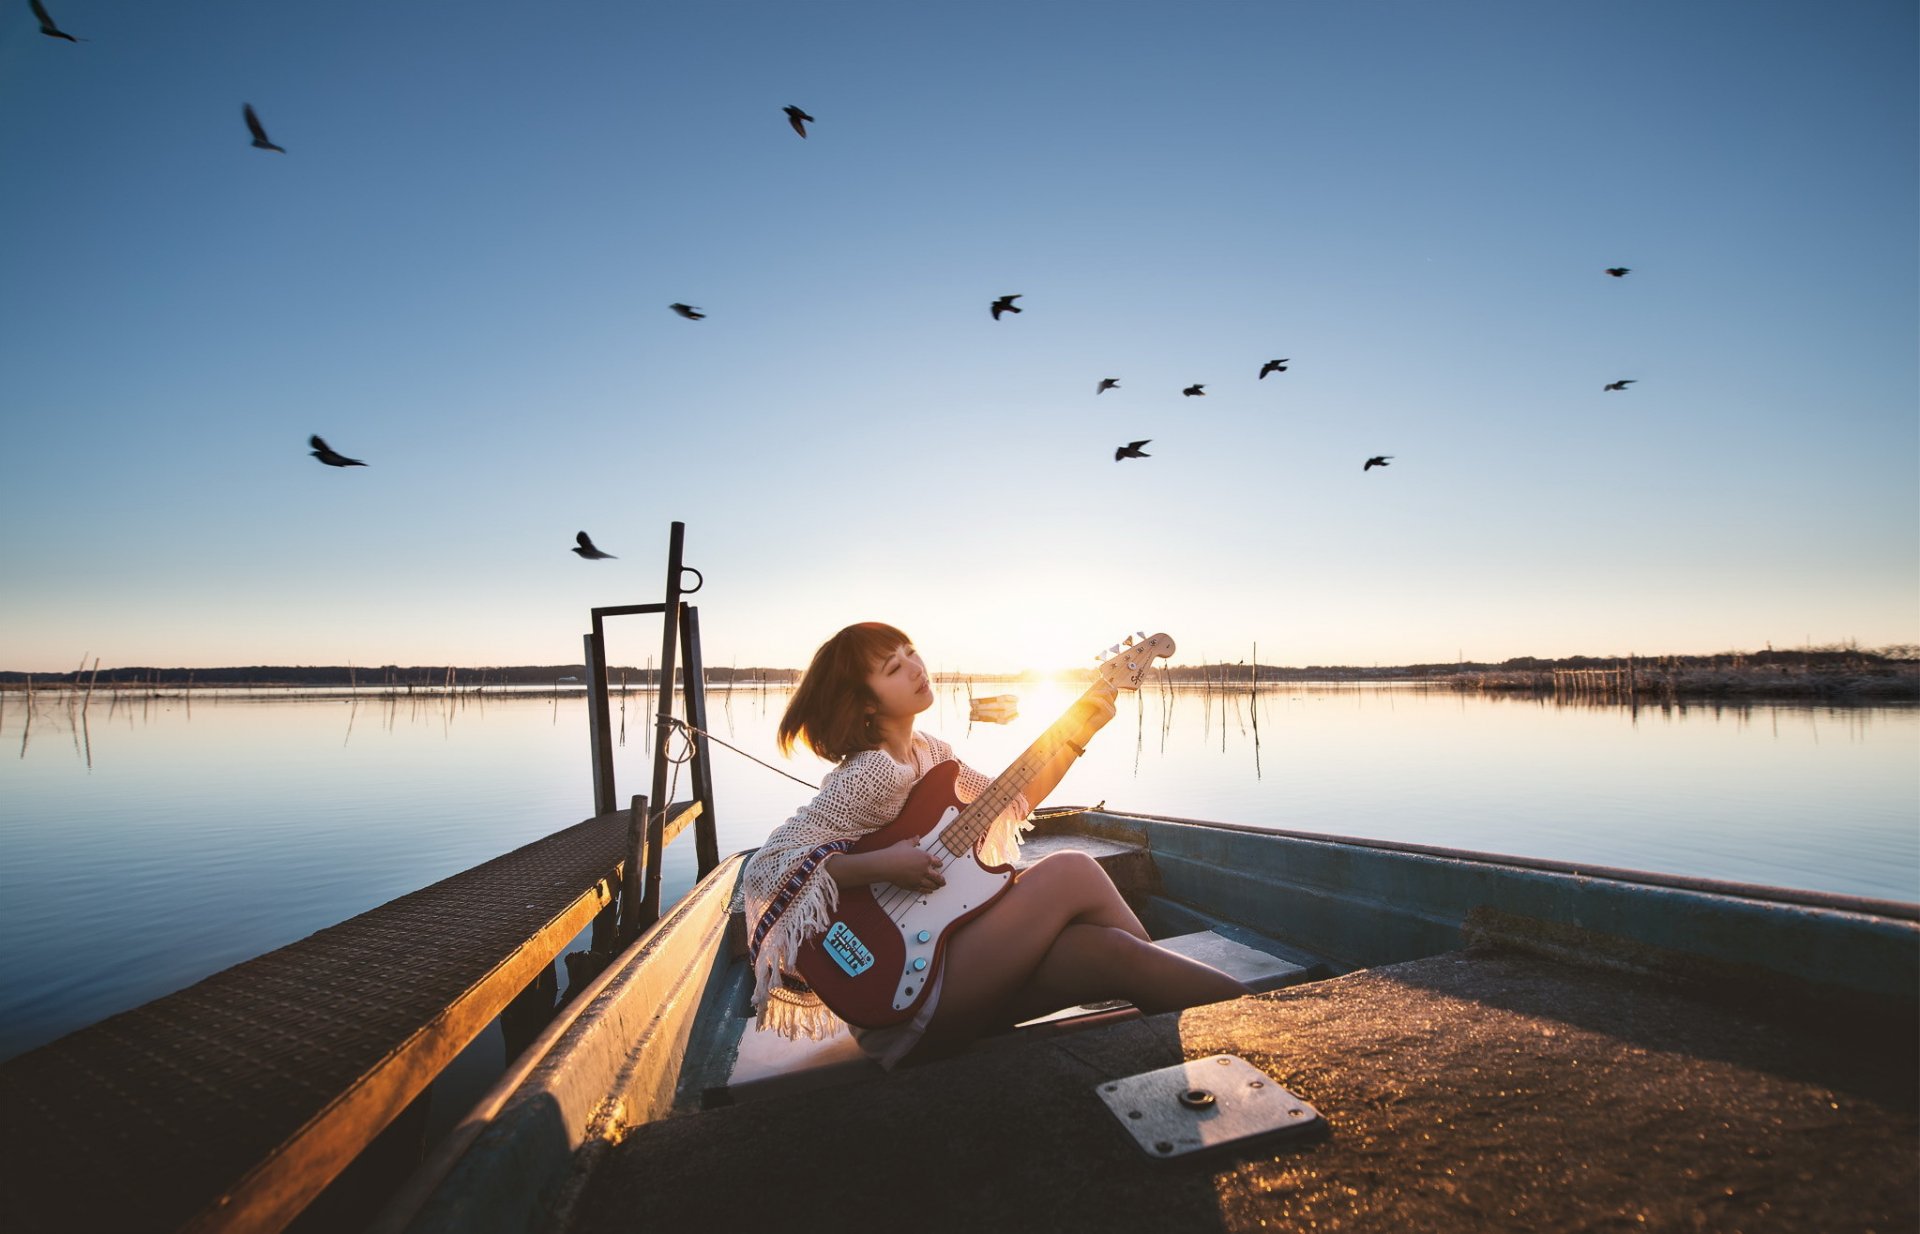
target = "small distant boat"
x: 994, y: 708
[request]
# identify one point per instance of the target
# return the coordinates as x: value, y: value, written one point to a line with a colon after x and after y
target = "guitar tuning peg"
x: 1127, y: 642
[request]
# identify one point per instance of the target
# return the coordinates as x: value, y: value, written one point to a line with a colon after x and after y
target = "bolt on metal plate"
x: 1209, y: 1102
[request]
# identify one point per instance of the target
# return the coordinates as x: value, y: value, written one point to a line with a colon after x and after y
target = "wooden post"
x: 706, y: 842
x: 656, y: 833
x: 631, y: 895
x: 669, y: 644
x: 597, y: 722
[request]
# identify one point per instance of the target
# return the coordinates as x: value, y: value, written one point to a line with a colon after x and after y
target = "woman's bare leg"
x: 1090, y: 963
x: 1004, y: 960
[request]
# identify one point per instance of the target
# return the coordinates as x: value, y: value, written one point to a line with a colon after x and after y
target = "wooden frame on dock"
x: 680, y: 632
x: 232, y: 1104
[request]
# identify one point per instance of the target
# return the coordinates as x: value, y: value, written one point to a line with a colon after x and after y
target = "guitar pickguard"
x: 925, y: 922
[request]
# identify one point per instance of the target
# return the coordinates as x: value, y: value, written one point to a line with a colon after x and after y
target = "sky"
x: 460, y: 268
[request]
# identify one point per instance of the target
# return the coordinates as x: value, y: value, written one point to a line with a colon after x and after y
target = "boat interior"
x: 1446, y: 1033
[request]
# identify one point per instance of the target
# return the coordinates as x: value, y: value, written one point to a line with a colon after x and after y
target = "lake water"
x: 160, y: 839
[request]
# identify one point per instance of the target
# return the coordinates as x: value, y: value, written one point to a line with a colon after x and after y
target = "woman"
x: 1059, y: 936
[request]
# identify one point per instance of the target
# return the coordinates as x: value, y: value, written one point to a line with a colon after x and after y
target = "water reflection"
x: 229, y: 824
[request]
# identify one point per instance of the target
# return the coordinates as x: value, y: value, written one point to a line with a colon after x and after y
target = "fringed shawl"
x: 789, y: 896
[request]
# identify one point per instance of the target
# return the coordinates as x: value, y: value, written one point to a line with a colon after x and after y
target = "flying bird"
x: 328, y: 455
x: 46, y: 23
x: 688, y: 311
x: 1197, y: 388
x: 1618, y: 385
x: 1106, y: 384
x: 587, y: 550
x: 1273, y: 366
x: 259, y: 133
x: 798, y: 119
x: 1619, y: 272
x: 1132, y: 450
x: 1378, y: 460
x: 1004, y: 305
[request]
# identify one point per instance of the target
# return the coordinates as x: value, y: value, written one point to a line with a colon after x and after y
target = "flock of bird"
x: 799, y: 120
x: 1005, y: 304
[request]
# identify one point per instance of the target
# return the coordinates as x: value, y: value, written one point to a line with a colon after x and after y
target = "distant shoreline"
x: 1817, y: 674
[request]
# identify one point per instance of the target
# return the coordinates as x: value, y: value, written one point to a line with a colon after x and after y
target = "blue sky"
x: 459, y: 271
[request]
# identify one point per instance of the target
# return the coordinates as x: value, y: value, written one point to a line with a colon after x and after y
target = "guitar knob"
x: 920, y: 964
x: 922, y: 937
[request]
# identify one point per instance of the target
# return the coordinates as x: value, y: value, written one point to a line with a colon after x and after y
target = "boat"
x: 1478, y: 1041
x: 1437, y: 1040
x: 994, y: 708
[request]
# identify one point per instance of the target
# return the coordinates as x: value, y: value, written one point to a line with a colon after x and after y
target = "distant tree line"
x: 1894, y: 660
x: 388, y: 675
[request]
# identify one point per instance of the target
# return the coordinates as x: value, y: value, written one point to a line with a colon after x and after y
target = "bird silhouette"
x: 1618, y: 385
x: 1004, y: 305
x: 46, y: 23
x: 688, y: 311
x: 798, y: 119
x: 259, y: 132
x: 1196, y: 389
x: 1619, y: 272
x: 587, y: 550
x: 1106, y: 384
x: 1378, y: 460
x: 328, y: 455
x: 1273, y: 366
x: 1132, y: 450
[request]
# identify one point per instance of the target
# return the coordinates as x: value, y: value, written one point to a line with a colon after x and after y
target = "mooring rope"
x: 690, y: 728
x: 686, y: 728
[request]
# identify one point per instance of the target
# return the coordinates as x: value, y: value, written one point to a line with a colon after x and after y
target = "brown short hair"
x: 828, y: 710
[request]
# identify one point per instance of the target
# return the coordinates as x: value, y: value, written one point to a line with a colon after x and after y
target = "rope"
x: 689, y: 728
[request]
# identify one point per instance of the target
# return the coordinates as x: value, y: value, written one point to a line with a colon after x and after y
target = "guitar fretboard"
x: 974, y: 819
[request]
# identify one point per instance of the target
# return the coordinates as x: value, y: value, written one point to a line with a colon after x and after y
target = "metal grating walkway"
x: 215, y: 1106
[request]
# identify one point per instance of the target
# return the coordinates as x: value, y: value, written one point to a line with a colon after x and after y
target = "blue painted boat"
x: 1488, y: 1041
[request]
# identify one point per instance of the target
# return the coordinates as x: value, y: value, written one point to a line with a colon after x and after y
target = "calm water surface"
x: 163, y: 839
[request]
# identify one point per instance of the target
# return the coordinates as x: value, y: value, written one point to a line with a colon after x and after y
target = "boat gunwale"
x: 1833, y: 900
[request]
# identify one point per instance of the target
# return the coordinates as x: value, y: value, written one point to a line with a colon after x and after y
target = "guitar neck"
x: 971, y: 826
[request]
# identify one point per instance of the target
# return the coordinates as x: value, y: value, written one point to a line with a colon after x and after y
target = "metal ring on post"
x: 687, y: 591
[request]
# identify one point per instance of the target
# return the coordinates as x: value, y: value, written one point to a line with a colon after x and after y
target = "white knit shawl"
x: 789, y: 895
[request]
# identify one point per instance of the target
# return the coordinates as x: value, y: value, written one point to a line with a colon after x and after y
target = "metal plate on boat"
x: 1203, y: 1104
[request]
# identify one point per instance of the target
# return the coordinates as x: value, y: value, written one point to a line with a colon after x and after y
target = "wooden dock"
x: 230, y: 1104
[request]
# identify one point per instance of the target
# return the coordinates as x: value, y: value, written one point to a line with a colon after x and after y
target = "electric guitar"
x: 884, y: 946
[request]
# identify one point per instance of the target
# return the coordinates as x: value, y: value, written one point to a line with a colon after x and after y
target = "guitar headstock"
x: 1125, y: 664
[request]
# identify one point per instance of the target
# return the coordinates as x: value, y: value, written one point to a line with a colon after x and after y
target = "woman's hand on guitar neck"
x: 905, y: 864
x: 1093, y: 713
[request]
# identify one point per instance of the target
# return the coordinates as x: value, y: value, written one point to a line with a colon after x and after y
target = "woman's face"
x: 899, y: 684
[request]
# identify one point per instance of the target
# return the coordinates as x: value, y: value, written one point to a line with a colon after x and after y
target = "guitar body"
x: 883, y: 949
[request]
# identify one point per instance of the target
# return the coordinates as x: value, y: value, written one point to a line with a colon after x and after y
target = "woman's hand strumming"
x: 908, y: 865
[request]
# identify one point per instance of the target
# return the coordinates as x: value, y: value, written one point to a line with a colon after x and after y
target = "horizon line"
x: 1891, y: 651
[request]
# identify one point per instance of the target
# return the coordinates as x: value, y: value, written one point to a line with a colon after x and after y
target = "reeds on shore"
x: 1666, y: 679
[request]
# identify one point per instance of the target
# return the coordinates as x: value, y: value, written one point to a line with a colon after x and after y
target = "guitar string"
x: 899, y: 902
